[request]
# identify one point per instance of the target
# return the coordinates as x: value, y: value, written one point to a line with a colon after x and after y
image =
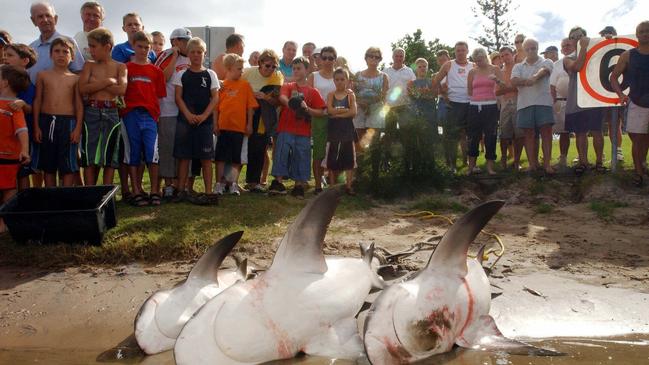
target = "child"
x: 196, y: 96
x: 14, y: 140
x: 422, y: 94
x: 101, y: 82
x: 23, y: 57
x: 58, y: 116
x: 158, y: 43
x: 292, y: 155
x: 341, y: 135
x: 234, y: 122
x: 145, y: 85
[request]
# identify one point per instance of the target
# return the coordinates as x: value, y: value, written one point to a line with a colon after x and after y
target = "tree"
x: 499, y: 29
x: 417, y: 47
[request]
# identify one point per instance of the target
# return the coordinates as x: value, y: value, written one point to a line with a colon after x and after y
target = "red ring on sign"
x: 582, y: 74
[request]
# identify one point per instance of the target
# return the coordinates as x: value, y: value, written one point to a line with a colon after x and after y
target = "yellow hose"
x: 425, y: 214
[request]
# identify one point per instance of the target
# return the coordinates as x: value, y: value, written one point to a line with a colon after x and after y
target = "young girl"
x: 341, y: 135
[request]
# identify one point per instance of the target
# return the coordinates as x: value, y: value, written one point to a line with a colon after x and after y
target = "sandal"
x: 138, y: 200
x: 212, y: 199
x: 197, y: 199
x: 599, y: 168
x: 127, y: 197
x: 637, y: 179
x: 580, y: 169
x: 155, y: 199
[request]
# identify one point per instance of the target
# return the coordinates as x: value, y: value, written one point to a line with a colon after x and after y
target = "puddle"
x: 624, y: 350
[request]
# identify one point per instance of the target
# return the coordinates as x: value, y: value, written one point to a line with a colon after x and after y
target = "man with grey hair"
x: 399, y: 76
x: 534, y: 103
x: 92, y: 16
x: 44, y: 17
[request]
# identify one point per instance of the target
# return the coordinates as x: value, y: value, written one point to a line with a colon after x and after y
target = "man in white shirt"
x: 399, y: 75
x: 559, y: 80
x: 92, y: 16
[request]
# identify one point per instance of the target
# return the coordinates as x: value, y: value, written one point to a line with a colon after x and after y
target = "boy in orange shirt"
x: 14, y: 142
x: 234, y: 122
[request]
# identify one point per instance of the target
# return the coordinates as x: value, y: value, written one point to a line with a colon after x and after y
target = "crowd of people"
x: 83, y: 103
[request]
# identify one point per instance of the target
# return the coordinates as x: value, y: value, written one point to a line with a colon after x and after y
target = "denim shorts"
x: 292, y: 157
x: 142, y: 131
x: 534, y: 116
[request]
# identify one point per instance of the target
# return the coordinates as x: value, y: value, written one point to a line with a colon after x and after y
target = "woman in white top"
x: 323, y: 80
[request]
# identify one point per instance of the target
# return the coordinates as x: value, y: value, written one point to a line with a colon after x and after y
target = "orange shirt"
x: 235, y: 98
x: 11, y: 123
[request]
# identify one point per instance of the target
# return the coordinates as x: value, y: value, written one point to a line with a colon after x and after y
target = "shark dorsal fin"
x: 242, y: 269
x: 451, y: 253
x: 300, y: 250
x: 208, y: 265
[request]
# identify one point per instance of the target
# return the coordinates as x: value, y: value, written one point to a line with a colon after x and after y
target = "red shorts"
x: 8, y: 176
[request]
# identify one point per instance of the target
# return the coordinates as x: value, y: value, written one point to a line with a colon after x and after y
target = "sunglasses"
x: 330, y: 58
x: 518, y: 42
x: 375, y: 57
x: 271, y: 66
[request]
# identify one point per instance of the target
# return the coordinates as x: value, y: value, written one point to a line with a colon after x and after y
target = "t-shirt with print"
x: 288, y: 120
x: 235, y: 98
x: 537, y: 94
x: 11, y: 123
x: 145, y: 85
x: 197, y: 88
x: 168, y: 107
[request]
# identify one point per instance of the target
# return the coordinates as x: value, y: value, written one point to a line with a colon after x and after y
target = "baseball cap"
x: 181, y: 33
x: 3, y: 40
x: 317, y: 51
x: 608, y: 30
x: 550, y: 49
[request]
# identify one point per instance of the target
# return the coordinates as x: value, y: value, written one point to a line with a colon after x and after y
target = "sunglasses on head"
x: 327, y: 58
x: 373, y: 56
x: 269, y: 65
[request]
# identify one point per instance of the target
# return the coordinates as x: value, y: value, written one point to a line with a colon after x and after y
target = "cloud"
x: 621, y: 10
x: 551, y: 28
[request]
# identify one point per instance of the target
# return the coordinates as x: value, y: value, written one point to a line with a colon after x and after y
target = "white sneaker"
x: 219, y: 189
x: 620, y: 155
x: 234, y: 189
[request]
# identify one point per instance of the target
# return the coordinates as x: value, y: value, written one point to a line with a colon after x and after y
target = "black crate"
x: 75, y: 214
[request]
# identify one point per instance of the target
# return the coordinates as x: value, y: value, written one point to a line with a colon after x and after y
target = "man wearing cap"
x: 92, y: 16
x: 131, y: 24
x: 317, y: 61
x: 44, y: 17
x: 171, y: 61
x: 5, y: 39
x: 551, y: 53
x: 609, y: 32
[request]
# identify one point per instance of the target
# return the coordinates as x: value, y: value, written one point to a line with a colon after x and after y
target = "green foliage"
x: 605, y: 208
x: 417, y: 47
x: 544, y: 208
x: 499, y: 29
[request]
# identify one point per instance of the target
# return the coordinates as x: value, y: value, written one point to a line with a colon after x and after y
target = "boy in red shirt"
x: 234, y: 124
x: 292, y: 156
x: 14, y: 142
x: 146, y: 83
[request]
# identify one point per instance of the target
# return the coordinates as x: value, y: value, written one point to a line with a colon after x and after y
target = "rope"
x: 425, y: 214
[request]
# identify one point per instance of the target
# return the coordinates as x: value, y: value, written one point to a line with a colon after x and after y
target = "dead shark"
x: 446, y: 303
x: 164, y: 313
x: 303, y: 303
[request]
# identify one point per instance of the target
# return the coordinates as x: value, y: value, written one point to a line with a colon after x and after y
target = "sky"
x: 350, y: 26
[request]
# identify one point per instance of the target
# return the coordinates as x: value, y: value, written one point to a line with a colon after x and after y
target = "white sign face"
x: 593, y: 84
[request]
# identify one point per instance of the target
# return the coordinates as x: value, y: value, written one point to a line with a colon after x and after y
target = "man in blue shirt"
x: 132, y: 23
x: 44, y: 17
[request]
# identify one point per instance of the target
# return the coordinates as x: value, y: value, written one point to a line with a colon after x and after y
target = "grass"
x: 544, y: 208
x: 436, y: 204
x: 606, y: 208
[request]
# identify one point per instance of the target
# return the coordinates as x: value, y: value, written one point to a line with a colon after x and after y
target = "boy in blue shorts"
x: 101, y: 82
x: 292, y: 156
x: 146, y: 84
x: 196, y: 97
x: 58, y: 116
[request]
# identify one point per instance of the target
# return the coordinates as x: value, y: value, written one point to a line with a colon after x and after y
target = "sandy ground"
x: 94, y: 307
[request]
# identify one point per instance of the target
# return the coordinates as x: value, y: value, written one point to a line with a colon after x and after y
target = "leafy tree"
x: 499, y: 29
x: 416, y: 46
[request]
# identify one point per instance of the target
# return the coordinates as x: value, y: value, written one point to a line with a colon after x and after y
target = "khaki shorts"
x: 637, y: 120
x: 508, y: 129
x: 559, y: 111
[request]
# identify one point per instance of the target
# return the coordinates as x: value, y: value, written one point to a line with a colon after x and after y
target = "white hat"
x: 181, y: 33
x: 317, y: 51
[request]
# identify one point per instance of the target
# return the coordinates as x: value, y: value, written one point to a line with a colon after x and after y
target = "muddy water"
x: 626, y: 350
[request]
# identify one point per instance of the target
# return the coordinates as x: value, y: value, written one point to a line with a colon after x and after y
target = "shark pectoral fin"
x: 483, y: 334
x: 301, y: 247
x: 367, y: 252
x: 208, y: 265
x: 242, y: 269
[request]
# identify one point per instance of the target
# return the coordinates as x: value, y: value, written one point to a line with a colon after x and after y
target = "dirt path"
x: 94, y: 307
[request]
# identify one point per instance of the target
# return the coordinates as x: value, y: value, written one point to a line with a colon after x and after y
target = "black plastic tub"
x: 73, y: 215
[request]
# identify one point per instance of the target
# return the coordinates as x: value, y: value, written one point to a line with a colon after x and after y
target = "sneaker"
x: 257, y: 189
x: 620, y: 155
x: 234, y: 189
x: 180, y: 197
x: 168, y: 192
x: 219, y: 189
x: 298, y: 192
x: 277, y: 188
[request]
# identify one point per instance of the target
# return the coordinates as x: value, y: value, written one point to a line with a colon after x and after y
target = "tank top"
x: 369, y: 89
x: 341, y: 129
x: 324, y: 86
x: 457, y: 76
x: 484, y: 89
x: 638, y: 78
